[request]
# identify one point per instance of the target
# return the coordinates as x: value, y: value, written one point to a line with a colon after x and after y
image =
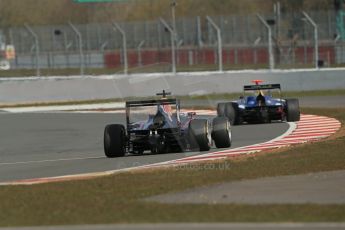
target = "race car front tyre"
x: 114, y: 141
x: 292, y: 110
x: 232, y: 113
x: 199, y: 129
x: 221, y: 132
x: 221, y: 109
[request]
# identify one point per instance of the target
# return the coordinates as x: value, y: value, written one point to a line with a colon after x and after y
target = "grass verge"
x: 119, y: 198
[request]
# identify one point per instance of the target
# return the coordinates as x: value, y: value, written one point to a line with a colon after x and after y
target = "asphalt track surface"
x: 36, y: 145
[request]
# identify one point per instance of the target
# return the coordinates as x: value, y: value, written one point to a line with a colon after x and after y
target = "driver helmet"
x: 165, y: 110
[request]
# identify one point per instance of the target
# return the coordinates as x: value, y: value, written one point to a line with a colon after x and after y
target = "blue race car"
x: 158, y: 126
x: 260, y: 106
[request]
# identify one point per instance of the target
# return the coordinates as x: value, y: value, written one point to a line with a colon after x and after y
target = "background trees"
x: 40, y: 12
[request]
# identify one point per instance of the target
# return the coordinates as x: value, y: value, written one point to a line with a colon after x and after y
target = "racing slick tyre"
x: 200, y: 134
x: 114, y: 141
x: 231, y: 111
x: 264, y: 117
x: 221, y: 132
x: 292, y: 110
x: 221, y: 109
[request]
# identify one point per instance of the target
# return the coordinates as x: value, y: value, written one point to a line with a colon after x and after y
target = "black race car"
x: 263, y: 105
x: 158, y: 126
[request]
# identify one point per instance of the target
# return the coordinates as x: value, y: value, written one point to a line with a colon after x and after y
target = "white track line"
x: 102, y: 106
x: 279, y: 142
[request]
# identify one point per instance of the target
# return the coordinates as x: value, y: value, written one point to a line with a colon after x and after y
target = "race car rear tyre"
x: 200, y: 134
x: 114, y: 141
x: 221, y: 109
x: 232, y: 113
x: 221, y: 132
x: 292, y: 110
x: 264, y: 117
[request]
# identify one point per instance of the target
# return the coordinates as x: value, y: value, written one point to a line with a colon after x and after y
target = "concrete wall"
x: 191, y: 56
x: 33, y: 89
x: 60, y: 60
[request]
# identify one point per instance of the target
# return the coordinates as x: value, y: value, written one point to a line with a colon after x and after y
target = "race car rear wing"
x: 152, y: 102
x: 165, y: 101
x: 261, y: 87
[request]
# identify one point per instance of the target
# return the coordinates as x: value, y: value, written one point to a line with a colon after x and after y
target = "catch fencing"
x: 243, y: 44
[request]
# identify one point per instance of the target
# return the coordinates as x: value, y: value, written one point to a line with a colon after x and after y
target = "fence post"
x: 277, y: 11
x: 173, y: 47
x: 270, y: 47
x: 124, y: 45
x: 199, y: 32
x: 81, y: 53
x: 37, y: 48
x: 316, y: 38
x: 178, y: 46
x: 140, y: 59
x: 220, y: 43
x: 173, y: 15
